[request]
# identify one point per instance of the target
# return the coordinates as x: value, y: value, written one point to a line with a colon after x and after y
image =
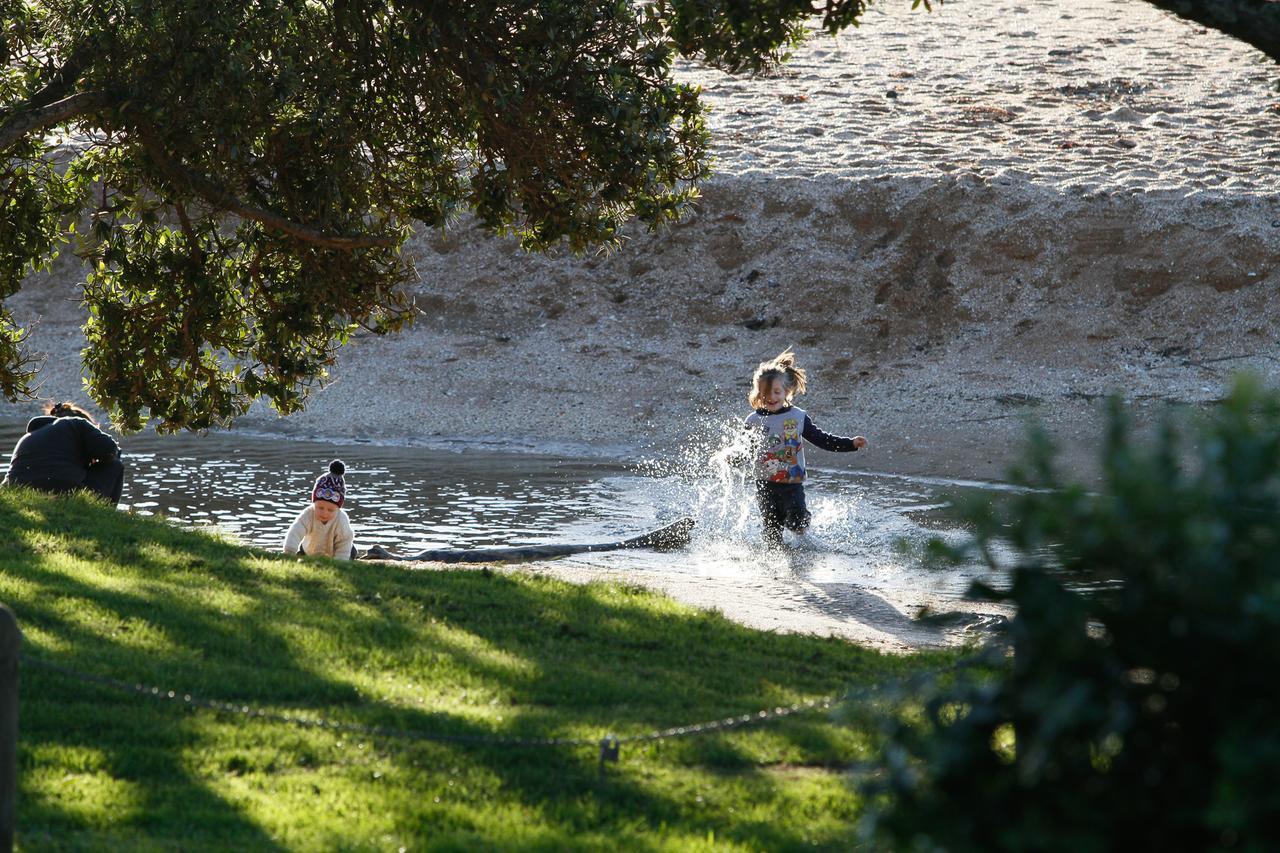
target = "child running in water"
x: 323, y: 529
x: 779, y: 454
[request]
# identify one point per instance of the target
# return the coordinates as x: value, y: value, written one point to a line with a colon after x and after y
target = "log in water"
x: 669, y: 538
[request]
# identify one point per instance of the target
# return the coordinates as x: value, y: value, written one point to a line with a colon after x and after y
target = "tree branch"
x: 62, y: 79
x: 219, y: 197
x: 1255, y: 22
x: 22, y: 120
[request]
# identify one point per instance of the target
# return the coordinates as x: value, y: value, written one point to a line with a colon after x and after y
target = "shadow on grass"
x: 141, y: 600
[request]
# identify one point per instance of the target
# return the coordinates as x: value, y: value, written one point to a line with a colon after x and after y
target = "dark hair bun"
x: 67, y: 409
x: 336, y: 468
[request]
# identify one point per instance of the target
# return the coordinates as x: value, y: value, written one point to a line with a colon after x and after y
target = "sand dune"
x: 1086, y: 96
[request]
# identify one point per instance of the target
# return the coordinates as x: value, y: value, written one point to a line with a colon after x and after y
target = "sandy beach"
x: 959, y: 220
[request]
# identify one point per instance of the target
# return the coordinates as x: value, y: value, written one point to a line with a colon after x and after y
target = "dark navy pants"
x: 782, y: 506
x: 355, y: 555
x: 106, y: 478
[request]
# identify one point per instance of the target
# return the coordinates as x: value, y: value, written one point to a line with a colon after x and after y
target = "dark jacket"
x: 57, y: 452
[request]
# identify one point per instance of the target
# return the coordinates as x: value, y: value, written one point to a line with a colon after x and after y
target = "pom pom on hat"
x: 330, y: 487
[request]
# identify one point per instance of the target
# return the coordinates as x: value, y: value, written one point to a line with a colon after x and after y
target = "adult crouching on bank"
x: 65, y: 451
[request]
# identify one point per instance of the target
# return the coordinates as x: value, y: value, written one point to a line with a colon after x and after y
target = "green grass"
x: 465, y: 652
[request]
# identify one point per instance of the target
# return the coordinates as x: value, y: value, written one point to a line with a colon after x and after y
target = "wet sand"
x: 782, y: 599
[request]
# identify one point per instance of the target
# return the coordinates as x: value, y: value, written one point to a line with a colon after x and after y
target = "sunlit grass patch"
x: 467, y: 654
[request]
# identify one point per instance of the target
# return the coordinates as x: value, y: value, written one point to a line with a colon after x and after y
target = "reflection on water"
x: 412, y: 498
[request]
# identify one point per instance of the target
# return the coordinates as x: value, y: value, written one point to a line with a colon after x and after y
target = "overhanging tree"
x: 240, y: 175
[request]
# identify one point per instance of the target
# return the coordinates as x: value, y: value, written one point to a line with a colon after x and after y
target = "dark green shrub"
x: 1139, y: 707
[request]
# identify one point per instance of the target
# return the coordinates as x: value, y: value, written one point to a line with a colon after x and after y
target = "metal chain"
x: 763, y: 716
x: 295, y: 720
x: 987, y: 657
x: 608, y: 744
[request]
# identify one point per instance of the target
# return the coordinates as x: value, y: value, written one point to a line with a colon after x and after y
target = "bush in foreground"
x: 1140, y: 707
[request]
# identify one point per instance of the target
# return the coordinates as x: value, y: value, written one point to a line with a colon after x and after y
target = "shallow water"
x: 410, y: 498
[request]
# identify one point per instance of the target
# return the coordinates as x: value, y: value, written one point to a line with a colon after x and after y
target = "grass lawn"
x: 467, y: 652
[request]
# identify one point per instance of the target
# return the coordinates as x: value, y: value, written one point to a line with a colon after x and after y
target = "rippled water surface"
x: 411, y: 498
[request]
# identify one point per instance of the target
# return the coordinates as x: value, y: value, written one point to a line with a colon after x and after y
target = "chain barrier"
x: 250, y: 711
x: 609, y: 745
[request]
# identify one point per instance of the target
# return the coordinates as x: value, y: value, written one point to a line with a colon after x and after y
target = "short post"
x: 608, y: 752
x: 10, y: 647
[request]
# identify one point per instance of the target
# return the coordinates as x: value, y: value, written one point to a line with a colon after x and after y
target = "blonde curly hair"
x: 783, y: 367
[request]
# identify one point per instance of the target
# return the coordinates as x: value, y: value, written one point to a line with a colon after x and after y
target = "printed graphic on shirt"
x: 780, y: 460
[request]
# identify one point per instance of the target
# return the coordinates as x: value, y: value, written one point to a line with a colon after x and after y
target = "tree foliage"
x: 243, y: 173
x: 1139, y: 708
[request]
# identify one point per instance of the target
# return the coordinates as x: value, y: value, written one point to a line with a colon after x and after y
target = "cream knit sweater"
x: 333, y: 539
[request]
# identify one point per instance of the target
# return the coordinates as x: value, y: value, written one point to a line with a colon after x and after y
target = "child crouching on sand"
x: 323, y: 529
x: 779, y: 457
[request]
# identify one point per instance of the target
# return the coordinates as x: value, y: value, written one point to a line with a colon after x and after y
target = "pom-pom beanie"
x: 330, y: 487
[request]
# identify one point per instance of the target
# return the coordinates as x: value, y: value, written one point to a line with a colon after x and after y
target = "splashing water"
x: 865, y: 529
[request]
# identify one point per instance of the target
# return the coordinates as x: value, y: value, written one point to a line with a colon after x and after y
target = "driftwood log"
x: 669, y: 538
